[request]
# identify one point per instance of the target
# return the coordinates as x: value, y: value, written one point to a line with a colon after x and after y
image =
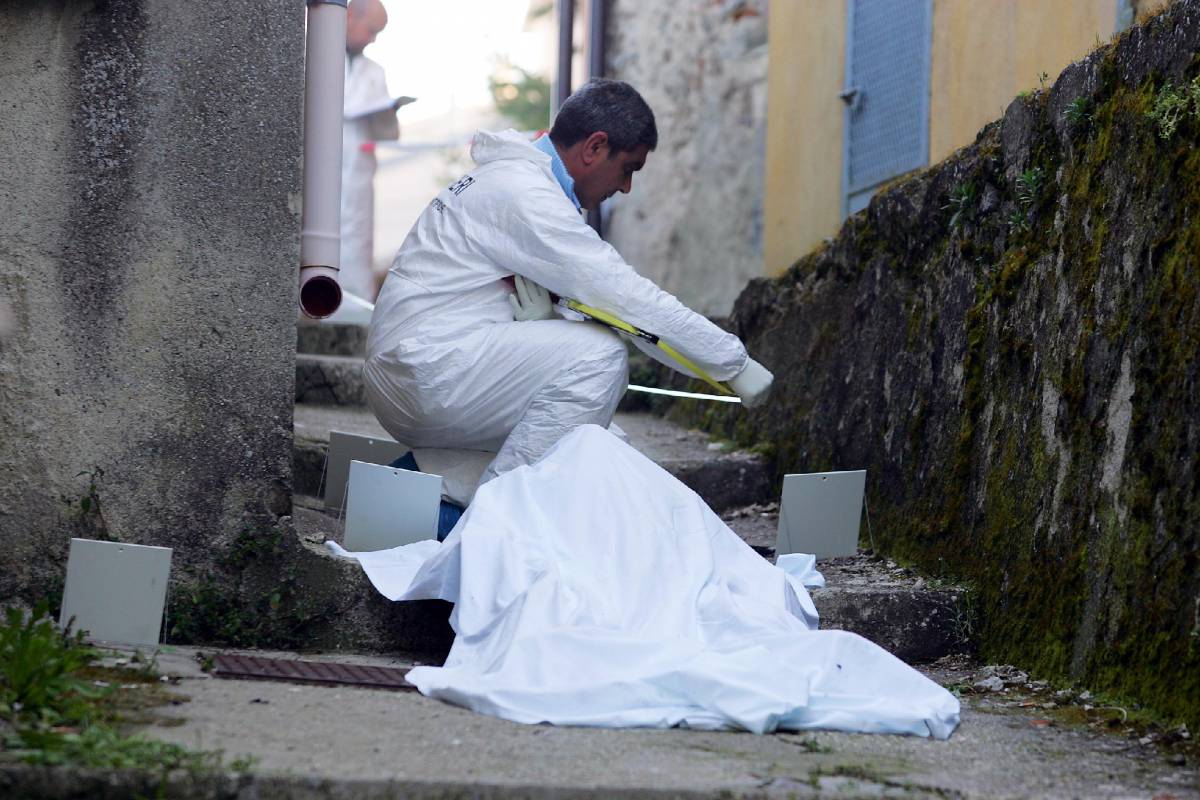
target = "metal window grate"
x: 887, y: 93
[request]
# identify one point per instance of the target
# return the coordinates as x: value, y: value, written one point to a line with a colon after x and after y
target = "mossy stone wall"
x: 1009, y: 342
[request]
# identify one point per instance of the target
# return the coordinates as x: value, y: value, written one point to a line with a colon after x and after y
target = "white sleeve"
x: 540, y: 236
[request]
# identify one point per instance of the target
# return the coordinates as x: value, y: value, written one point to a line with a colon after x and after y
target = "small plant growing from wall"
x: 85, y: 514
x: 1172, y: 104
x: 1029, y: 189
x: 1029, y: 186
x: 1079, y: 112
x: 962, y: 203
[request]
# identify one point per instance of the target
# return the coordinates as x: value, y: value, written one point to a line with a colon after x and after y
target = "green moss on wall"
x: 1025, y: 397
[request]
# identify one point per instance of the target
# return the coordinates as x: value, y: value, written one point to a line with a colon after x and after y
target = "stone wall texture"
x: 1021, y: 379
x: 693, y: 222
x: 148, y: 247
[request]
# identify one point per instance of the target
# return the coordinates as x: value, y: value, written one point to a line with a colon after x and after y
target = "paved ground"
x: 341, y: 734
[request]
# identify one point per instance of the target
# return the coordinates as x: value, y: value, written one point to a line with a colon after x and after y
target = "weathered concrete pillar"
x: 149, y: 240
x: 693, y: 222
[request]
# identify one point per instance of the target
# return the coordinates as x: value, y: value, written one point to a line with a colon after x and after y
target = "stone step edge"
x: 330, y: 380
x: 915, y: 625
x: 729, y: 480
x: 331, y: 339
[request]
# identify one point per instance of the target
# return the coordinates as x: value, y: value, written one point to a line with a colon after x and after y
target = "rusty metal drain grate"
x: 319, y: 672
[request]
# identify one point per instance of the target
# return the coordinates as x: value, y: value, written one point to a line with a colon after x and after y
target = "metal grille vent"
x: 277, y: 669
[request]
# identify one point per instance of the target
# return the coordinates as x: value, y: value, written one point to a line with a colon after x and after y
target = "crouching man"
x: 457, y: 359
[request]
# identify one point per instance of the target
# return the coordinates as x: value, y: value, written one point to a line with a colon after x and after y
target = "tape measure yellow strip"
x: 616, y: 323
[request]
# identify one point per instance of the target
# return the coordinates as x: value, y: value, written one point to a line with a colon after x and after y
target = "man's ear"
x: 595, y: 148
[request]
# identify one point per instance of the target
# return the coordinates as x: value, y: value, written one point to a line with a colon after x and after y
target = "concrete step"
x: 322, y: 338
x: 867, y: 596
x: 912, y: 618
x: 723, y: 479
x: 330, y: 380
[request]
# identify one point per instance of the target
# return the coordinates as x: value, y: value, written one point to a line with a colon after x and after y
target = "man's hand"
x: 530, y: 302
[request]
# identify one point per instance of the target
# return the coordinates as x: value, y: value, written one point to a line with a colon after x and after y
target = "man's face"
x: 608, y: 174
x: 364, y: 22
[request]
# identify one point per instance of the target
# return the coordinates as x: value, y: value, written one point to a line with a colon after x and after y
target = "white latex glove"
x: 752, y: 384
x: 530, y: 301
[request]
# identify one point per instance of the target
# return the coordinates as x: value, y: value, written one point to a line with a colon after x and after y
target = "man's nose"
x: 627, y: 185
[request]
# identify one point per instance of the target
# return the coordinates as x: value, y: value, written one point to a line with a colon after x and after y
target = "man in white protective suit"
x: 368, y: 117
x: 457, y: 359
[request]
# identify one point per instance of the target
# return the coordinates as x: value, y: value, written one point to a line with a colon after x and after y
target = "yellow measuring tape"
x: 604, y: 318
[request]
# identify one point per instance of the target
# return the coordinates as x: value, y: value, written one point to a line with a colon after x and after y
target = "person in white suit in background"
x: 369, y: 117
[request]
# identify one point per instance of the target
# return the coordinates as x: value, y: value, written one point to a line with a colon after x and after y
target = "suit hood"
x: 489, y: 146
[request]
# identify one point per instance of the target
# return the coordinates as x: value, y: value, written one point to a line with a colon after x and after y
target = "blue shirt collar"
x: 567, y: 183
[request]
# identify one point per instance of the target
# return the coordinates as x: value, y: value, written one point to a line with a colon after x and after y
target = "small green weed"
x: 39, y: 666
x: 1042, y: 78
x: 1029, y: 190
x: 808, y: 744
x: 1018, y: 221
x: 101, y: 747
x: 1172, y: 104
x: 57, y: 713
x: 85, y: 514
x: 962, y: 202
x: 1029, y: 186
x: 1079, y: 112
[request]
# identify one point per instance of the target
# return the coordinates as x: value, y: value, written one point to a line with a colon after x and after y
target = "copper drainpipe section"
x: 324, y: 86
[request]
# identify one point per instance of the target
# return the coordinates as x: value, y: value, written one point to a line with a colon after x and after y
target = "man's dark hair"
x: 614, y: 107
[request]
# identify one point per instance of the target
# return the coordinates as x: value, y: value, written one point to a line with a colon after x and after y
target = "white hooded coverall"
x: 447, y: 366
x: 367, y: 118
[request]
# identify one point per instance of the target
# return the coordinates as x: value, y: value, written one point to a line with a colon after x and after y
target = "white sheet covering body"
x: 593, y: 588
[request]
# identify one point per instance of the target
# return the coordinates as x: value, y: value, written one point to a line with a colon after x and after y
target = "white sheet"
x: 593, y: 588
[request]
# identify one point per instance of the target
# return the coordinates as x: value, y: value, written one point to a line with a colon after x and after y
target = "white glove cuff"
x: 752, y: 384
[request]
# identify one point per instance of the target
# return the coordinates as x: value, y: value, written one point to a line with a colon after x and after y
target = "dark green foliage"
x: 1029, y: 186
x: 962, y: 203
x: 85, y: 516
x: 522, y: 97
x: 57, y: 715
x: 39, y: 666
x: 1173, y: 104
x: 1079, y: 112
x: 228, y: 605
x: 102, y: 747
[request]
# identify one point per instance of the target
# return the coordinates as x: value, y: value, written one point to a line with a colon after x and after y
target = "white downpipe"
x: 324, y: 85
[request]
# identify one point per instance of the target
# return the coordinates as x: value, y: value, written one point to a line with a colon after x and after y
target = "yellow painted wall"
x: 986, y: 51
x: 802, y: 175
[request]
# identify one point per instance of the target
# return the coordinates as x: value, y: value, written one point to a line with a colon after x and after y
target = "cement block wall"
x: 148, y: 247
x: 693, y: 222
